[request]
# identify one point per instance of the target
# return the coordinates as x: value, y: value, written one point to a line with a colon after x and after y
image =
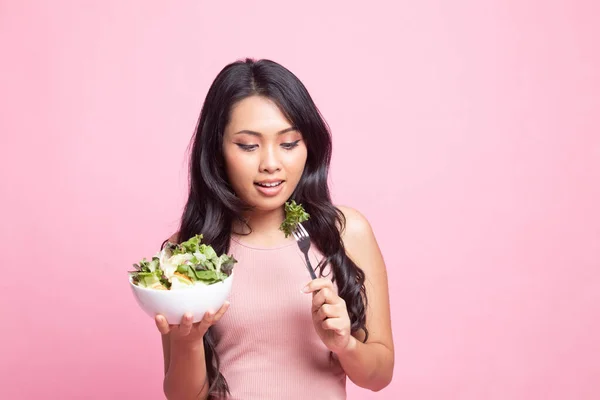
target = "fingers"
x: 326, y: 311
x: 186, y: 324
x: 331, y: 311
x: 327, y: 296
x: 321, y: 298
x: 210, y: 318
x: 318, y: 284
x: 337, y: 325
x: 161, y: 324
x: 221, y: 312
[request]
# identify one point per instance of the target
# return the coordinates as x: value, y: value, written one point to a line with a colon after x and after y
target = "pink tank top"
x: 266, y: 341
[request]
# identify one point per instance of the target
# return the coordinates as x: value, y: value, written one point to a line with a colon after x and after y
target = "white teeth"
x: 270, y: 184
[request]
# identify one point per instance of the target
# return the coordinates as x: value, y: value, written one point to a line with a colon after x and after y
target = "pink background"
x: 473, y: 124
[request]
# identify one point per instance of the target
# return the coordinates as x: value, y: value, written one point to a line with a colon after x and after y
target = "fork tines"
x: 300, y: 232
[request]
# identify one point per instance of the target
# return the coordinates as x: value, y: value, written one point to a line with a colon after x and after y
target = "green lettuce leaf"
x: 294, y: 214
x: 201, y: 264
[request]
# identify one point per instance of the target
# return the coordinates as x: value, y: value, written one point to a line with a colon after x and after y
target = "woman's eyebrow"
x: 254, y: 133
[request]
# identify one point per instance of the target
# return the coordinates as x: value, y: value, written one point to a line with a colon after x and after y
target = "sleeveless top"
x: 266, y: 341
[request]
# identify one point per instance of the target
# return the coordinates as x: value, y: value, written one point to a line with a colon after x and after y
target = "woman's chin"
x: 269, y: 205
x: 266, y: 208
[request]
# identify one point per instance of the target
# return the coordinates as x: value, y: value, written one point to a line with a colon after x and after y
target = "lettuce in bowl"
x: 183, y: 265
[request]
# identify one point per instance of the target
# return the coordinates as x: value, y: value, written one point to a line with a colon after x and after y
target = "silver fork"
x: 301, y: 236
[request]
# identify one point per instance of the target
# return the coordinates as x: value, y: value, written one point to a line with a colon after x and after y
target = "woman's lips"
x: 269, y: 188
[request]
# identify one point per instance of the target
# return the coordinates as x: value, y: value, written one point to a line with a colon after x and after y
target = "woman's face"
x: 264, y: 154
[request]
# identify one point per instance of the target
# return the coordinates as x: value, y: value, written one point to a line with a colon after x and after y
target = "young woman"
x: 260, y: 141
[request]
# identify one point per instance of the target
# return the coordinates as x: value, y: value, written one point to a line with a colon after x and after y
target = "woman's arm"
x: 183, y: 353
x: 370, y: 364
x: 185, y: 369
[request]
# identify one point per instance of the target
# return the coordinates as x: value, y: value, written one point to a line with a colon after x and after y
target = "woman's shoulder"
x: 360, y: 242
x: 356, y: 226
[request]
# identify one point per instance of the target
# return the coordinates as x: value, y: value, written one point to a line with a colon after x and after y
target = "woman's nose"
x: 269, y: 162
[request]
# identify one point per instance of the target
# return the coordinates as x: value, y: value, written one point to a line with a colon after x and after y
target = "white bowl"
x: 172, y: 304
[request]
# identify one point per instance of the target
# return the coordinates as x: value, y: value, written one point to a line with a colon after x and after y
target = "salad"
x: 294, y: 214
x: 182, y: 266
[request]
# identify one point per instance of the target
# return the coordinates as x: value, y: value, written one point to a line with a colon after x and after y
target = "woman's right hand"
x: 187, y: 331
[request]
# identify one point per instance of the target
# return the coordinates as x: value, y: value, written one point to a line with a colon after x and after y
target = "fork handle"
x: 309, y: 267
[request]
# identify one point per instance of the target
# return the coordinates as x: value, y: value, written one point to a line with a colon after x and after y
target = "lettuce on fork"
x: 294, y: 214
x: 183, y: 265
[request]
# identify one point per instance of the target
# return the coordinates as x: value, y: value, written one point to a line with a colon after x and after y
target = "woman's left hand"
x: 330, y: 315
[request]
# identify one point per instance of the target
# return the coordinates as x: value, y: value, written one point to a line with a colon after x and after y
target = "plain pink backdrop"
x: 468, y: 132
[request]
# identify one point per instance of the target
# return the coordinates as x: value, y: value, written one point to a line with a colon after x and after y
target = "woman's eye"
x: 247, y: 147
x: 290, y: 145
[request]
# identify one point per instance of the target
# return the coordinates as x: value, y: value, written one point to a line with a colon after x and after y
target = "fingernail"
x: 305, y: 289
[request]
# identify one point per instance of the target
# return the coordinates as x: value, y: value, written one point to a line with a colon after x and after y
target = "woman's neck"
x: 262, y: 229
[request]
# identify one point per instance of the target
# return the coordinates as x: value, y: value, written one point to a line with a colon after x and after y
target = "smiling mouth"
x: 268, y: 184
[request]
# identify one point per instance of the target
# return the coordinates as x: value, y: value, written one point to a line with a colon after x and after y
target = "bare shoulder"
x: 360, y: 242
x: 357, y: 227
x: 362, y: 248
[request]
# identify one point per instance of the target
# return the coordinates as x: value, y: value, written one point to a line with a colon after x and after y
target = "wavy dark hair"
x: 212, y: 207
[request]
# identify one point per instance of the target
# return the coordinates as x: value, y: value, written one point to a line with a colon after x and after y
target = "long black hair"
x: 212, y: 206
